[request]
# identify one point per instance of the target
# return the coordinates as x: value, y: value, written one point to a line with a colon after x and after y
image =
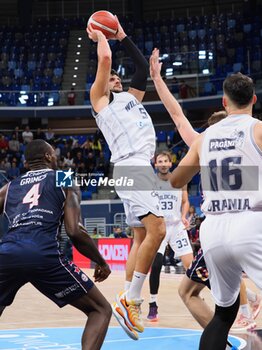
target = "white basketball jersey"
x: 231, y: 170
x: 170, y: 199
x: 127, y: 127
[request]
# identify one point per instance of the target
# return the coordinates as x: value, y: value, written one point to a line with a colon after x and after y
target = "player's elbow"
x: 176, y: 181
x: 72, y: 229
x: 106, y: 60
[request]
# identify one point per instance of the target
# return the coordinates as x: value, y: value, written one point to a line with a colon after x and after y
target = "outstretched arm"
x: 188, y: 167
x: 99, y: 93
x: 185, y: 129
x: 79, y: 236
x: 139, y: 80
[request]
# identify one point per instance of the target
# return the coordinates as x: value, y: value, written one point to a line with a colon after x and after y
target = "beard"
x: 117, y: 89
x: 163, y: 172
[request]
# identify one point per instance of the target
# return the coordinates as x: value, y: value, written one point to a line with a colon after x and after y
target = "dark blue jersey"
x: 34, y: 204
x: 29, y: 250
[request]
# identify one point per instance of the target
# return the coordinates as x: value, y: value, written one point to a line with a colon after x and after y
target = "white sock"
x: 134, y: 291
x: 153, y: 298
x: 244, y: 310
x: 127, y: 285
x: 251, y: 295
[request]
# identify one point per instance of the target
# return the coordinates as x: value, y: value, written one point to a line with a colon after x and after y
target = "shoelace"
x: 135, y: 312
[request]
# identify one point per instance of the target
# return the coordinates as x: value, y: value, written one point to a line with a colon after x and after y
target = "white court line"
x: 84, y: 319
x: 242, y: 341
x: 130, y: 340
x: 196, y: 333
x: 44, y: 321
x: 41, y: 328
x: 157, y: 337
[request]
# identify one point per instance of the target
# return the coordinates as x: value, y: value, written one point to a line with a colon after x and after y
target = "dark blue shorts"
x: 197, y: 271
x: 24, y: 261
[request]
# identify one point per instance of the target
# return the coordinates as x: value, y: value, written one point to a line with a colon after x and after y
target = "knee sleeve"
x: 216, y: 332
x: 155, y: 273
x: 227, y: 314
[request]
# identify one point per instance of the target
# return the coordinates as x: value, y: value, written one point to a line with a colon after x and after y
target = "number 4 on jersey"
x: 32, y: 196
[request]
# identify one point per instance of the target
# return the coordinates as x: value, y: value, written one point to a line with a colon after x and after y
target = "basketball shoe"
x: 255, y: 306
x: 131, y: 311
x: 117, y: 312
x: 243, y: 324
x: 152, y: 314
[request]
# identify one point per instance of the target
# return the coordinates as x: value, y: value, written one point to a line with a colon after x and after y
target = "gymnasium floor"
x: 35, y: 323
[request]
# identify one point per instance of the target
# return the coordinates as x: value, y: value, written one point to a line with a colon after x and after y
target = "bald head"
x: 38, y: 152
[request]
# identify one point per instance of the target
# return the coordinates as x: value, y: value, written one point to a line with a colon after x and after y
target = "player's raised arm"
x: 139, y: 80
x: 185, y: 129
x: 188, y: 167
x: 99, y: 93
x: 79, y: 236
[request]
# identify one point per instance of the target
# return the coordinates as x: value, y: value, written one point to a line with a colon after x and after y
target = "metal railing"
x: 108, y: 230
x: 195, y: 69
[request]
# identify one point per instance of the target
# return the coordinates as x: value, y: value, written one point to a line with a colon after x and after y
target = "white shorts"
x: 232, y: 243
x: 138, y: 202
x: 178, y: 240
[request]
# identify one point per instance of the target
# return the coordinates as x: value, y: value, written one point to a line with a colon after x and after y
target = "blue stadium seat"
x: 209, y: 89
x: 237, y: 67
x: 201, y: 33
x: 86, y: 195
x: 192, y: 34
x: 231, y: 23
x: 81, y: 139
x: 170, y: 134
x: 180, y: 28
x: 247, y: 28
x: 195, y: 201
x: 161, y: 136
x: 25, y: 88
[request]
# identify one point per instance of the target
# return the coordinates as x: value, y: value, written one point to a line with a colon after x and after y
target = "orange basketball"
x: 105, y: 22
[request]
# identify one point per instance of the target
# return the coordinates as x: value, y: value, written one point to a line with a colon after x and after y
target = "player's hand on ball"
x: 155, y: 65
x: 120, y: 35
x: 101, y: 272
x: 94, y: 34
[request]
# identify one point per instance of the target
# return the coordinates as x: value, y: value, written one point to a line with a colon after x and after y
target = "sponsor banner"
x: 114, y: 250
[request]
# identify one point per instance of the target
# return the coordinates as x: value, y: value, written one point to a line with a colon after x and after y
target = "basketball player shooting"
x: 129, y: 132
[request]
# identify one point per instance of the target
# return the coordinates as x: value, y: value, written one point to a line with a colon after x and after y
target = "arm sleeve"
x: 139, y: 79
